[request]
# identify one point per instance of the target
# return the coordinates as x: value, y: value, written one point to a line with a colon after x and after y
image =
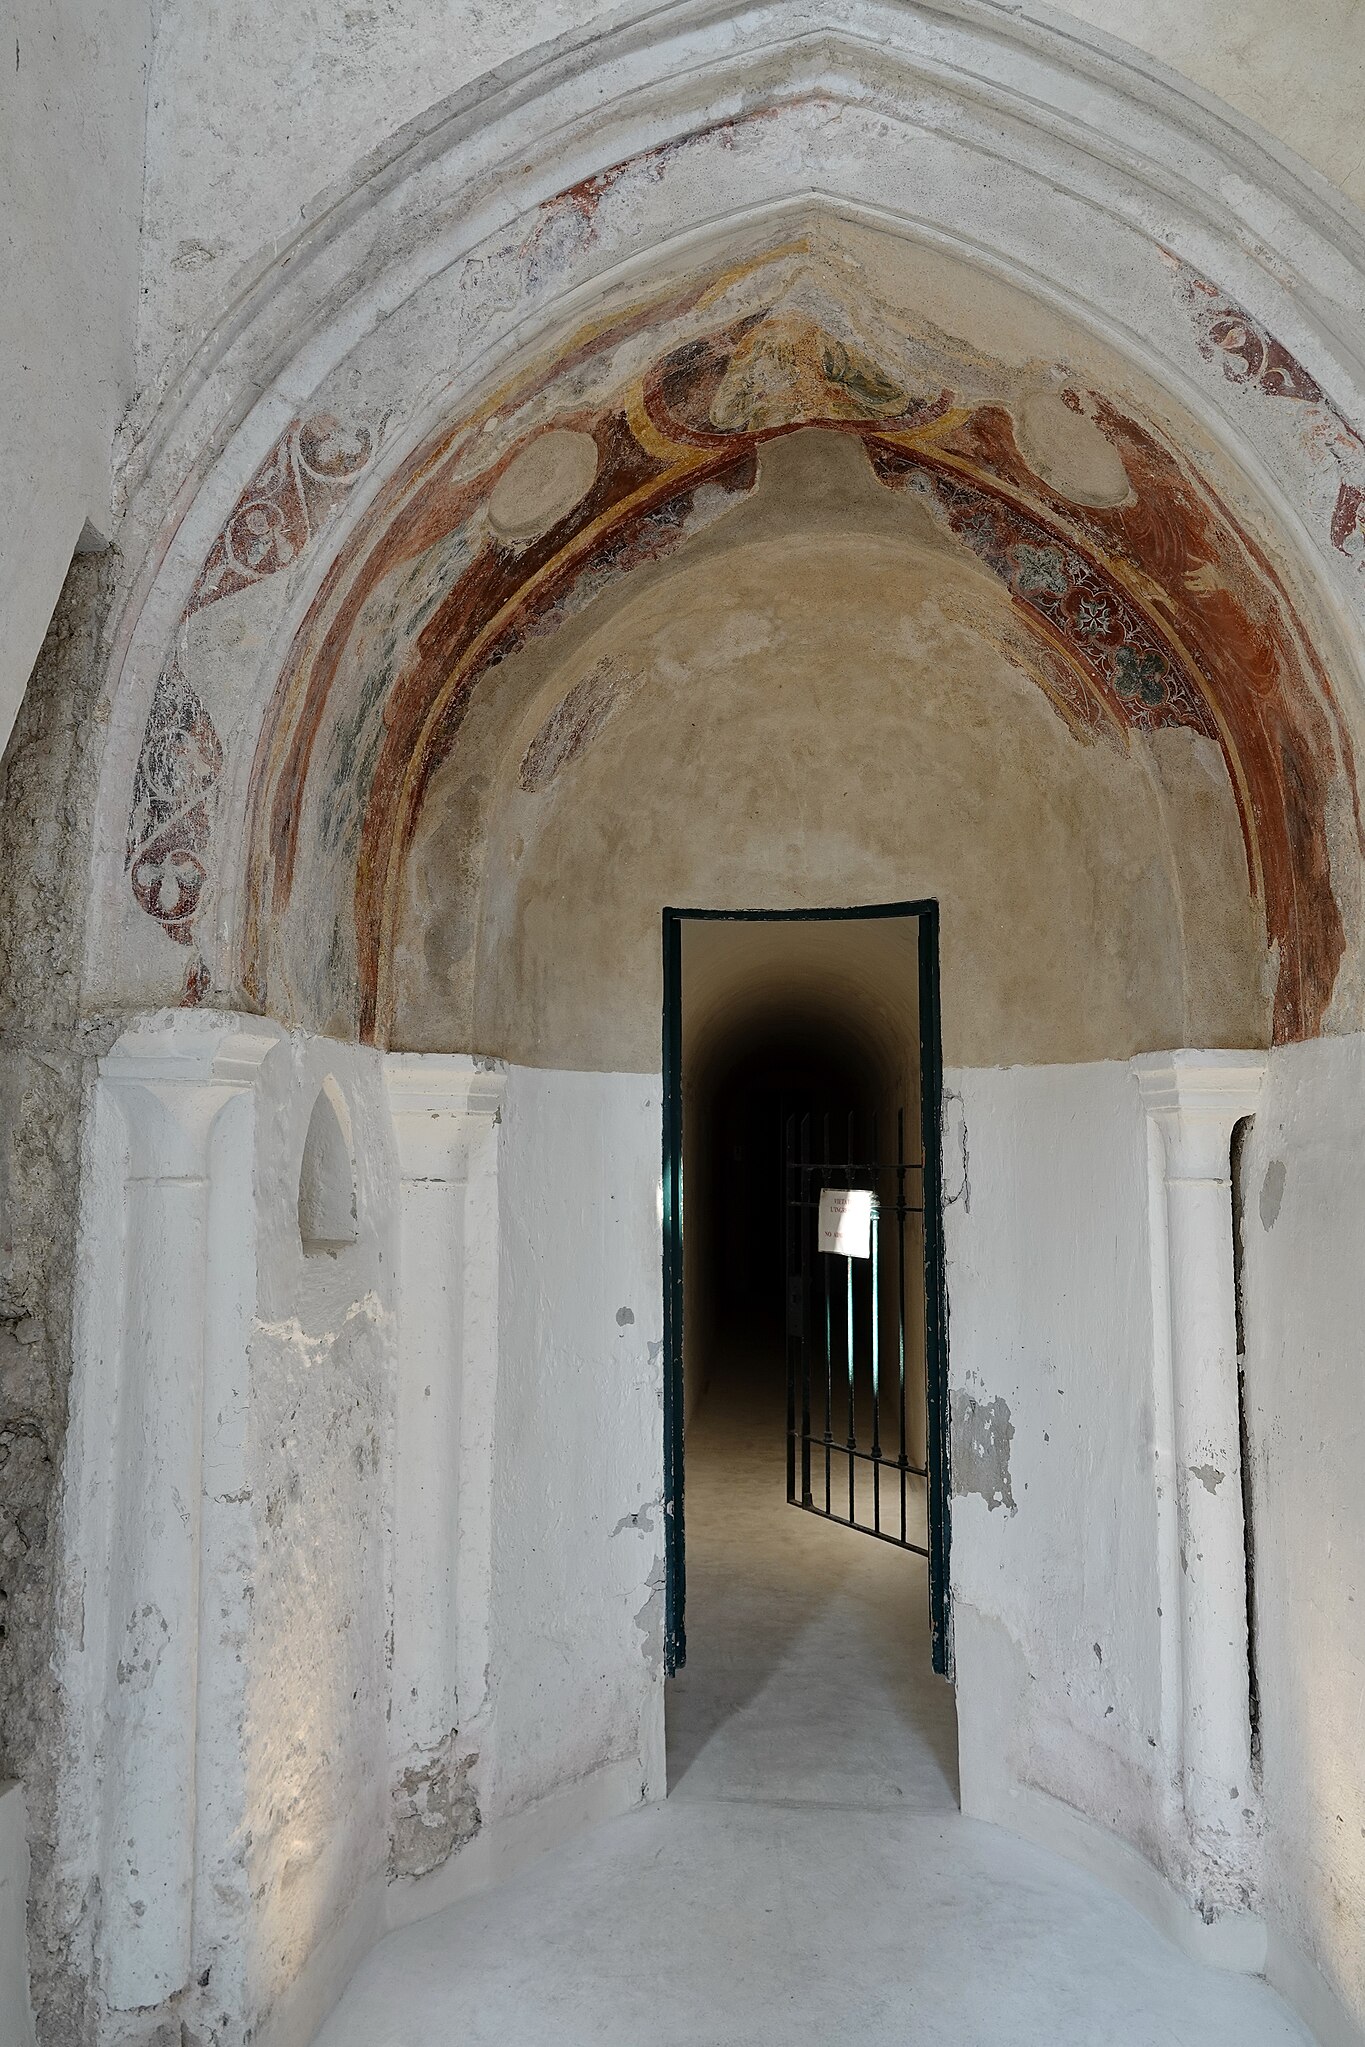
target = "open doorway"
x: 802, y: 1096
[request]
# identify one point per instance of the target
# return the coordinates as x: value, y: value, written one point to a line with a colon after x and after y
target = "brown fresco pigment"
x: 1161, y: 610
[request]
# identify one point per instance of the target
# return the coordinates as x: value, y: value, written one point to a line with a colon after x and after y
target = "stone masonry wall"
x: 47, y: 781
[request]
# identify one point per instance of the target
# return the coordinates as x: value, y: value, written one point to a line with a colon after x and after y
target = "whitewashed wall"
x: 315, y: 1599
x: 1305, y: 1380
x: 577, y: 1642
x: 557, y: 1606
x: 1055, y: 1537
x: 372, y: 1555
x: 225, y: 1535
x: 1067, y: 1542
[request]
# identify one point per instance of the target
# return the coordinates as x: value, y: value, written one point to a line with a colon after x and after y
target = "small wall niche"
x: 327, y: 1187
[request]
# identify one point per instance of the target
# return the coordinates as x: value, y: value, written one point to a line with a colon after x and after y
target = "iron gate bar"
x: 829, y: 1359
x: 900, y: 1292
x: 848, y: 1337
x: 804, y: 1177
x: 874, y: 1234
x: 671, y: 1191
x: 937, y: 1448
x: 790, y: 1271
x: 938, y: 1469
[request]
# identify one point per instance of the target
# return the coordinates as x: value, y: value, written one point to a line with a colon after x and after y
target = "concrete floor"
x: 810, y: 1879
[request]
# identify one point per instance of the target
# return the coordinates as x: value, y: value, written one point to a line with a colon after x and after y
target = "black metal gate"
x: 857, y: 1378
x: 867, y: 1425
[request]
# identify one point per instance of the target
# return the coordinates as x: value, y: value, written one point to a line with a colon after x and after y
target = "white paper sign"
x: 845, y: 1222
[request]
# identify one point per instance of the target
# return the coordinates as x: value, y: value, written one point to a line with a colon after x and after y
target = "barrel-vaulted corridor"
x: 809, y: 1878
x: 572, y: 502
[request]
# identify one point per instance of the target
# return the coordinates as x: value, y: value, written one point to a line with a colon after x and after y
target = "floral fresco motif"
x: 303, y: 479
x: 1087, y: 610
x: 1252, y: 358
x: 170, y: 822
x: 295, y: 490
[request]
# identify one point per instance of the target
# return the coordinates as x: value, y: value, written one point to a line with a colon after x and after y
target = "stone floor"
x: 809, y: 1879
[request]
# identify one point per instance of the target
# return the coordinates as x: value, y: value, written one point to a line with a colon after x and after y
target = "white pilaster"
x: 445, y: 1112
x: 1194, y: 1100
x: 161, y: 1317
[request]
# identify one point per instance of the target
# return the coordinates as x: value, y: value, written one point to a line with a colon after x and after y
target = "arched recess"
x: 1062, y: 525
x: 328, y: 1220
x: 695, y: 249
x: 936, y: 296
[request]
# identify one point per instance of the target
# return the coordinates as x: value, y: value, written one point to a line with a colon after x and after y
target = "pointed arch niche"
x: 328, y: 1220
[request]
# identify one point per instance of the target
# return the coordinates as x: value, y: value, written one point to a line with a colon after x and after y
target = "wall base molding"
x: 1242, y: 1942
x: 297, y: 2018
x: 1309, y: 1995
x: 1237, y: 1941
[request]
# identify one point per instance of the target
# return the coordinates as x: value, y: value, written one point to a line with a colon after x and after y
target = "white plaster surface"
x: 1304, y: 1227
x: 72, y: 124
x: 227, y: 1534
x: 1048, y: 1239
x: 288, y: 105
x: 274, y: 1521
x: 445, y: 1114
x: 1056, y: 1587
x: 548, y: 1641
x: 319, y: 1471
x: 576, y: 1629
x: 1195, y: 1099
x: 508, y: 1236
x: 808, y: 1877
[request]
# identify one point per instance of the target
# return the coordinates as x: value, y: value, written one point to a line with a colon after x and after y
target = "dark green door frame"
x: 935, y: 1288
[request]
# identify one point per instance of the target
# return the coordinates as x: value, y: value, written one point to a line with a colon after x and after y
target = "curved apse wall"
x: 820, y: 702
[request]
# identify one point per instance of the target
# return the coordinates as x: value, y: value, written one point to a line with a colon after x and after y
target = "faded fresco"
x: 1148, y: 603
x: 289, y: 499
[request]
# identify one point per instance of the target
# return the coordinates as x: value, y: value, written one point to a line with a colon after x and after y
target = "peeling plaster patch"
x: 1209, y: 1476
x: 1272, y: 1194
x: 642, y: 1518
x: 193, y: 255
x: 982, y: 1432
x: 650, y: 1619
x: 624, y: 1317
x: 148, y: 1634
x: 435, y: 1811
x: 955, y: 1139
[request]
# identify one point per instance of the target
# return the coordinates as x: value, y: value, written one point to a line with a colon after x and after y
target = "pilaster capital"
x: 172, y: 1072
x: 1195, y: 1099
x: 439, y: 1103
